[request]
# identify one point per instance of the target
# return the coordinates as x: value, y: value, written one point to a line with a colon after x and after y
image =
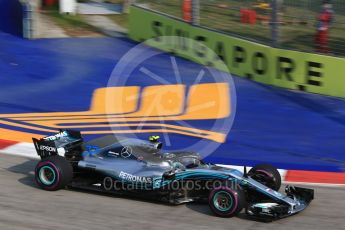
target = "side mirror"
x: 170, y: 175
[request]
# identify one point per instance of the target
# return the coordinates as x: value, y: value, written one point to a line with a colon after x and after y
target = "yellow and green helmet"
x: 154, y: 138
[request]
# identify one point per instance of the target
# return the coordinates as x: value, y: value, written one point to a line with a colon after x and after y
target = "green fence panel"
x: 283, y: 68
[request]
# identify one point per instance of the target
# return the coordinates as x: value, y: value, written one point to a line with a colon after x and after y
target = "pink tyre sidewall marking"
x: 51, y: 164
x: 265, y: 172
x: 234, y: 195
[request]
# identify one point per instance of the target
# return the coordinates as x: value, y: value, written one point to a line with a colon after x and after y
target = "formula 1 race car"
x: 131, y: 166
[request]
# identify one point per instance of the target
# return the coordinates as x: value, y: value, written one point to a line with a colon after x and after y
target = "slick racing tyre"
x: 226, y: 202
x: 266, y: 174
x: 53, y: 173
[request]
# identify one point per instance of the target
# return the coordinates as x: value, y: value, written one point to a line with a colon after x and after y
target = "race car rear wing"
x: 60, y: 143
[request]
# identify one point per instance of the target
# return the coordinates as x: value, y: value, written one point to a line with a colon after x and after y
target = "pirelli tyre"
x: 226, y: 202
x: 53, y: 173
x: 266, y: 174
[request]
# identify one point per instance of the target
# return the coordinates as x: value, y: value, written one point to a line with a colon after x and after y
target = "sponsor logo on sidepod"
x: 130, y: 177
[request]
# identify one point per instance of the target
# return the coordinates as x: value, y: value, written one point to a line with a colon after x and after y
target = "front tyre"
x: 226, y: 202
x: 53, y: 173
x: 266, y: 174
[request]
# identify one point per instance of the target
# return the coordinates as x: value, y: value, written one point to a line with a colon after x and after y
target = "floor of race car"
x: 23, y: 206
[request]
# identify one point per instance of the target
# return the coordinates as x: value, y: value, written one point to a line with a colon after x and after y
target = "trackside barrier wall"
x: 283, y: 68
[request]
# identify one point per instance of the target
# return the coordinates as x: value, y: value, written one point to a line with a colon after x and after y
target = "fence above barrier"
x: 283, y: 68
x: 288, y: 24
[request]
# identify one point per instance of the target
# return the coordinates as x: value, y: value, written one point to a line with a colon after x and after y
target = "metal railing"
x: 290, y: 24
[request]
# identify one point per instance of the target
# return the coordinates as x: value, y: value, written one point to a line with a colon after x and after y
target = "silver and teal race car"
x: 136, y: 167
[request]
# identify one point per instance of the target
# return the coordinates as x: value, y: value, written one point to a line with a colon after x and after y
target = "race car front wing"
x: 295, y: 201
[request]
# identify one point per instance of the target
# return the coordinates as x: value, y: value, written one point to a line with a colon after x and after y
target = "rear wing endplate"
x: 66, y: 139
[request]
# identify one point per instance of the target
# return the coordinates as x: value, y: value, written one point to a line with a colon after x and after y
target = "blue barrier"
x: 11, y: 17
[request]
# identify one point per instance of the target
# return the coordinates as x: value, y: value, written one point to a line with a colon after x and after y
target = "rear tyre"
x: 226, y: 202
x: 53, y: 173
x: 266, y: 174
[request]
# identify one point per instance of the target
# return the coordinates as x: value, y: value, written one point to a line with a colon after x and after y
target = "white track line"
x: 21, y: 149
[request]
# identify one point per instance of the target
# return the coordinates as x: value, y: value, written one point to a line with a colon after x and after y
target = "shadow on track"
x: 26, y: 168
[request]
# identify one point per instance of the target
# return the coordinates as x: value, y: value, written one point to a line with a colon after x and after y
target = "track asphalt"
x: 24, y: 206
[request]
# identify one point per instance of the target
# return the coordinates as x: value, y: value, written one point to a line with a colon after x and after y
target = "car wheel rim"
x: 222, y: 201
x: 47, y: 175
